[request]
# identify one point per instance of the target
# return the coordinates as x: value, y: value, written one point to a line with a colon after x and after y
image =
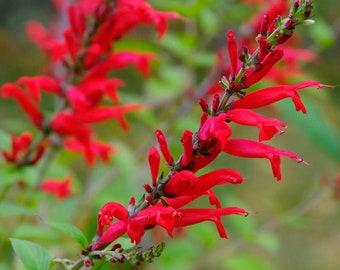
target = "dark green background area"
x: 296, y: 225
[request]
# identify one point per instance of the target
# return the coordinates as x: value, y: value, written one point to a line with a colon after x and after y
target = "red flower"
x: 190, y: 216
x: 266, y: 96
x: 167, y: 217
x: 45, y: 41
x: 185, y: 183
x: 154, y: 162
x: 211, y: 138
x: 61, y: 189
x: 36, y: 84
x: 255, y: 75
x: 268, y: 126
x: 252, y: 149
x: 25, y: 102
x: 163, y: 145
x: 187, y: 148
x: 91, y: 149
x: 233, y: 54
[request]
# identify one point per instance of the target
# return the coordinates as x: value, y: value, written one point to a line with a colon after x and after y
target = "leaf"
x: 11, y: 209
x: 71, y: 231
x: 33, y: 256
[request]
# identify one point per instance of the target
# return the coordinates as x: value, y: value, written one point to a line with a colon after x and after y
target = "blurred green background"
x: 296, y: 225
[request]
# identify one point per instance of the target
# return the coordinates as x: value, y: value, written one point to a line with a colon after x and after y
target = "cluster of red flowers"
x: 81, y: 58
x: 167, y: 195
x: 259, y: 24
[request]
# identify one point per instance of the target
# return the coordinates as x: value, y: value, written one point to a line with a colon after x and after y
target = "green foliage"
x: 13, y: 209
x: 72, y: 231
x: 33, y: 256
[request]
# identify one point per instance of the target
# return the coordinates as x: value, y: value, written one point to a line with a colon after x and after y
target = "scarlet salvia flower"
x: 233, y: 54
x: 19, y: 144
x: 273, y: 94
x: 163, y: 145
x: 105, y: 113
x: 189, y: 216
x: 61, y: 189
x: 36, y: 84
x: 264, y: 25
x: 185, y: 183
x: 187, y: 148
x: 260, y: 71
x: 26, y: 103
x: 154, y: 162
x: 264, y: 47
x: 203, y: 104
x: 90, y: 149
x: 211, y: 137
x: 268, y: 126
x: 252, y: 149
x: 108, y: 212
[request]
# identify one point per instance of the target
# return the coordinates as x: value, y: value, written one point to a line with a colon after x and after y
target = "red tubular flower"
x: 72, y: 44
x: 252, y: 149
x: 154, y: 162
x: 66, y: 124
x: 28, y: 106
x: 264, y: 47
x: 40, y: 83
x: 19, y: 144
x: 104, y: 113
x: 211, y: 137
x: 163, y: 145
x: 77, y: 20
x: 90, y: 149
x: 108, y: 212
x: 120, y: 60
x: 190, y: 216
x: 256, y: 75
x: 215, y: 128
x: 232, y: 50
x: 61, y: 189
x: 268, y: 126
x: 187, y: 148
x: 54, y: 49
x: 185, y: 183
x: 135, y: 226
x: 266, y: 96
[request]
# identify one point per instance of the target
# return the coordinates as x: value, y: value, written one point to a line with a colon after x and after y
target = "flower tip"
x: 305, y: 162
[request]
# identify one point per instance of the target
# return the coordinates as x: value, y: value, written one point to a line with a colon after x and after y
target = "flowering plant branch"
x: 79, y: 80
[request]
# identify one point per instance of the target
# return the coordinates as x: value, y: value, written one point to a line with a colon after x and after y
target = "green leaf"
x: 72, y: 231
x: 11, y: 209
x: 33, y: 256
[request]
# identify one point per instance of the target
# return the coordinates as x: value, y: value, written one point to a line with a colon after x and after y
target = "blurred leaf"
x: 244, y: 261
x: 322, y: 34
x: 180, y: 45
x: 35, y: 232
x: 11, y: 209
x: 71, y: 231
x: 208, y: 22
x: 33, y: 256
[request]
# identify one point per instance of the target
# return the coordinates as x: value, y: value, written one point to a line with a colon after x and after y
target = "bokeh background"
x: 296, y: 225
